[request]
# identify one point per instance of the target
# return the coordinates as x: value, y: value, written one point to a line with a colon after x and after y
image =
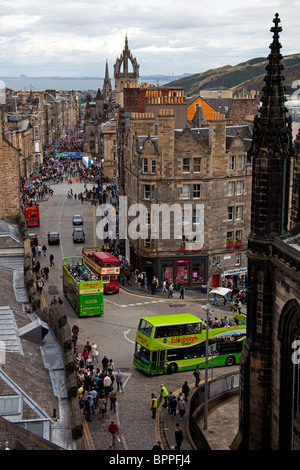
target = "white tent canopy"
x: 220, y: 291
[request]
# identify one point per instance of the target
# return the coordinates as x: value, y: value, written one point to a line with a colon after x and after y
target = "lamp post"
x: 207, y: 307
x: 208, y: 311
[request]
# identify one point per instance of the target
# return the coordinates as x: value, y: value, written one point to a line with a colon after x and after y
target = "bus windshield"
x: 145, y: 328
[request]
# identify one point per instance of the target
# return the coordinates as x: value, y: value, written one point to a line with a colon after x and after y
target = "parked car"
x: 53, y: 238
x: 33, y: 239
x: 78, y: 235
x: 77, y: 219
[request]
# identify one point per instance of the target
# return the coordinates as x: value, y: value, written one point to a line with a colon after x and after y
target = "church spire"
x: 273, y: 128
x: 271, y: 150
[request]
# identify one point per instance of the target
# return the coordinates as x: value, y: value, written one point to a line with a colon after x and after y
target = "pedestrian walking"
x: 164, y: 393
x: 181, y: 408
x: 52, y: 260
x: 181, y: 289
x: 46, y: 271
x: 173, y: 406
x: 114, y: 432
x: 185, y: 390
x: 113, y: 400
x: 153, y: 405
x: 169, y: 399
x: 94, y: 352
x: 104, y: 364
x: 178, y: 436
x: 119, y: 380
x: 171, y: 287
x: 39, y: 249
x: 101, y: 407
x: 197, y: 375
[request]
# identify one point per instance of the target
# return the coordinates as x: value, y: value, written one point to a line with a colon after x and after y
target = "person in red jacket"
x: 114, y: 432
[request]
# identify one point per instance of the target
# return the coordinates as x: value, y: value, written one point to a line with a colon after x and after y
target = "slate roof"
x: 32, y: 375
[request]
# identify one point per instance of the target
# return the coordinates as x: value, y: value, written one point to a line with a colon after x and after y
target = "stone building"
x: 96, y: 113
x: 32, y: 120
x: 9, y: 180
x: 269, y: 384
x: 205, y: 168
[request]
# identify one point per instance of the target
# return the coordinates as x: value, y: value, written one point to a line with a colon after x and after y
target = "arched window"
x: 289, y: 406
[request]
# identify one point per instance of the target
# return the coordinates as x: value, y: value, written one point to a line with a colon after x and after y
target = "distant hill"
x: 247, y: 75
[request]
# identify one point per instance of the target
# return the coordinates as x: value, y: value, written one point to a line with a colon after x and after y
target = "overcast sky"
x: 74, y: 38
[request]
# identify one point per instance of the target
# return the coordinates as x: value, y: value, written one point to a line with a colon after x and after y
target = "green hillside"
x: 247, y: 75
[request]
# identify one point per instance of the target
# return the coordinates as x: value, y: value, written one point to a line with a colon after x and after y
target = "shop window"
x: 167, y: 272
x: 182, y: 271
x: 198, y: 272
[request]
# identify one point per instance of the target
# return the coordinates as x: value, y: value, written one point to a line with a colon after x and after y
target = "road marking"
x: 134, y: 305
x: 125, y: 333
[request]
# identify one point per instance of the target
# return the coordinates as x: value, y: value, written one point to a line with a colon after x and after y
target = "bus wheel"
x: 230, y: 361
x: 172, y: 368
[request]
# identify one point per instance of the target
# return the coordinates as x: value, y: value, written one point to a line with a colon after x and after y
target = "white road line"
x: 133, y: 305
x: 125, y: 333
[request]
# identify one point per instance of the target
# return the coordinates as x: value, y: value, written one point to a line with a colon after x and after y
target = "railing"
x: 219, y: 389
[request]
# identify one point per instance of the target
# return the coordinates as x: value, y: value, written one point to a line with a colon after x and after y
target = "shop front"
x: 191, y: 272
x: 235, y: 277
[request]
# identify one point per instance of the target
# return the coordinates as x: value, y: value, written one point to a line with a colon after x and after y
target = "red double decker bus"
x: 105, y: 266
x: 32, y: 215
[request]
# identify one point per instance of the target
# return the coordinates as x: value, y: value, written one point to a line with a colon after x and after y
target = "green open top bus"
x: 172, y: 343
x: 81, y: 288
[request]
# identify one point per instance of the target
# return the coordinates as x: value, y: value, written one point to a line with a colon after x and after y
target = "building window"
x: 230, y: 213
x: 241, y: 160
x: 196, y: 216
x: 148, y: 191
x: 196, y: 191
x: 237, y: 259
x: 145, y: 165
x: 197, y: 165
x: 232, y: 162
x: 238, y: 234
x: 186, y: 217
x: 229, y: 236
x: 239, y: 212
x: 185, y: 191
x: 230, y: 188
x: 239, y: 187
x: 147, y: 217
x: 153, y: 166
x: 186, y: 167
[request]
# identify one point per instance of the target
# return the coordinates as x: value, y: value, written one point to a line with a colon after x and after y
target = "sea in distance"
x: 24, y: 83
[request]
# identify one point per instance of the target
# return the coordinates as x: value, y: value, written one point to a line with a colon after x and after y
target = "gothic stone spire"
x: 271, y: 150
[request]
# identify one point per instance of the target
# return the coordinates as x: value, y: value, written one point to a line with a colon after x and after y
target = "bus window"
x: 177, y: 330
x: 145, y: 328
x: 142, y: 353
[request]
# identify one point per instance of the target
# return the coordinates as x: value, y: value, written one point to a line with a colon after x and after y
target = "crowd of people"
x: 98, y: 383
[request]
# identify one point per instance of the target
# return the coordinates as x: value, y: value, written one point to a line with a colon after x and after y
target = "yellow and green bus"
x: 83, y: 291
x: 174, y: 343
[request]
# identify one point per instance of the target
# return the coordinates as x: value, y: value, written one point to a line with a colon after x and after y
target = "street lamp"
x: 208, y: 311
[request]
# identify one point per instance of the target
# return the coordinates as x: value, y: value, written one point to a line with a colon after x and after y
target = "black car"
x: 33, y: 239
x: 53, y: 238
x: 78, y: 235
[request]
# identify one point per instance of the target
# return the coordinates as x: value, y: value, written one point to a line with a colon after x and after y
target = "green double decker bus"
x: 83, y: 291
x: 174, y: 343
